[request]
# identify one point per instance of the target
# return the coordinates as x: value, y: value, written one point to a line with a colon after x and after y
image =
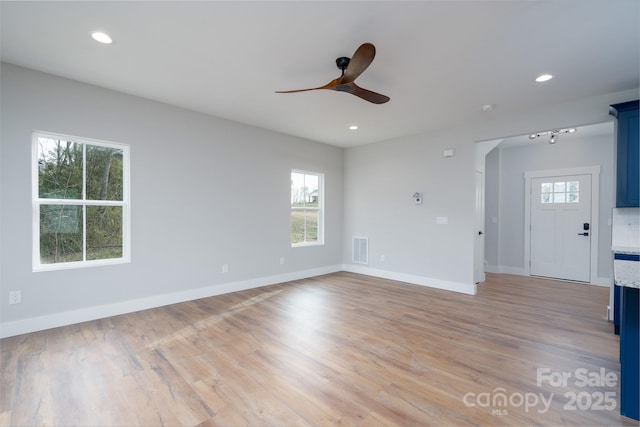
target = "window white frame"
x: 37, y: 202
x: 319, y: 209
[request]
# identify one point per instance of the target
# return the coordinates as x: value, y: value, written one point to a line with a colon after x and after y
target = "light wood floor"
x: 341, y: 349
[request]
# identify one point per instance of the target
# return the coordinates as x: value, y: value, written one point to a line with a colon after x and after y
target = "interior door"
x: 561, y: 227
x: 479, y: 274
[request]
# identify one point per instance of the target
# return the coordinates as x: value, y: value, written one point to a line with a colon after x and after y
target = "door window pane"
x: 559, y: 187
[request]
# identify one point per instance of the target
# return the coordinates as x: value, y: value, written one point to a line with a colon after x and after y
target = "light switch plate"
x: 15, y: 297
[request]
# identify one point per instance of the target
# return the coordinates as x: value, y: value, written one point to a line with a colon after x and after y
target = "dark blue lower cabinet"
x: 617, y: 291
x: 630, y: 353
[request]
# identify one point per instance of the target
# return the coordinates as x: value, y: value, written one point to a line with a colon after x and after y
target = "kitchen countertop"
x: 627, y: 250
x: 627, y: 273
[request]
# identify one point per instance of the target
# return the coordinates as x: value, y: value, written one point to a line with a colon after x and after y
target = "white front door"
x: 561, y: 227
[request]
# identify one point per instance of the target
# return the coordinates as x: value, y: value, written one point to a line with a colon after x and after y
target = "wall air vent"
x: 360, y: 250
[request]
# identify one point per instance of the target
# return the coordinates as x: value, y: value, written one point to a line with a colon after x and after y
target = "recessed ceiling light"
x: 544, y: 78
x: 353, y: 127
x: 101, y: 37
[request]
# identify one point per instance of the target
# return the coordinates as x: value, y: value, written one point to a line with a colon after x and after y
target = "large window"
x: 80, y: 202
x: 307, y: 200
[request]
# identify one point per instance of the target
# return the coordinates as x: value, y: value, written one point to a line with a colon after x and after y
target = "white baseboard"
x: 501, y: 269
x: 602, y: 281
x: 40, y: 323
x: 513, y: 270
x: 598, y: 281
x: 24, y: 326
x: 488, y: 268
x: 465, y: 288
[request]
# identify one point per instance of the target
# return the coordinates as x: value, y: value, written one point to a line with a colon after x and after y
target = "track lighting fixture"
x: 553, y: 134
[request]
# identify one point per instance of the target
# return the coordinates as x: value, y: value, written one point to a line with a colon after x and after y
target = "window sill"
x: 79, y: 264
x: 302, y: 245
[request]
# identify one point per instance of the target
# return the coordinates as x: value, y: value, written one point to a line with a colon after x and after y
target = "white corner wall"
x: 204, y: 192
x: 405, y: 242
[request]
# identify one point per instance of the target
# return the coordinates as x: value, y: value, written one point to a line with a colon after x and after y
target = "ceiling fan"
x: 351, y: 69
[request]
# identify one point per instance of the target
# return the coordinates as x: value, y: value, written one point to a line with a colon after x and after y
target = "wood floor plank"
x: 341, y: 349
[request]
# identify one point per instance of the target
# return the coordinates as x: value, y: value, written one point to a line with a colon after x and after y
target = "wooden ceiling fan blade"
x: 368, y: 95
x: 351, y: 70
x: 362, y: 58
x: 331, y: 85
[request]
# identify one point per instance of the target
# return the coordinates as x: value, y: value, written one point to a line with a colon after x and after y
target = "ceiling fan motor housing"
x: 342, y: 63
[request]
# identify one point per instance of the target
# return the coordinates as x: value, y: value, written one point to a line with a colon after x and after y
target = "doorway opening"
x: 507, y: 203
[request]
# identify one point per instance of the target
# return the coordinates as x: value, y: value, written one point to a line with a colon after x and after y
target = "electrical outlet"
x: 383, y: 258
x: 225, y: 268
x: 281, y: 260
x: 15, y: 297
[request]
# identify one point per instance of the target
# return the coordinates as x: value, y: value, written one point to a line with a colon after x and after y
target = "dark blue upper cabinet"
x: 628, y: 154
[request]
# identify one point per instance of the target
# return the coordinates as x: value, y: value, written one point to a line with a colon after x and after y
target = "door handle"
x: 583, y: 234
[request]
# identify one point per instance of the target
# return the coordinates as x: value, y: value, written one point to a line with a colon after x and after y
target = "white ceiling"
x: 439, y: 61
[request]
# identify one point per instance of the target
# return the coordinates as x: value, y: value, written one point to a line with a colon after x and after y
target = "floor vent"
x: 361, y: 250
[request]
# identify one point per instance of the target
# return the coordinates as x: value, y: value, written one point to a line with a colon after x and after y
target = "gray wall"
x: 506, y: 198
x: 204, y: 191
x: 207, y: 191
x: 380, y: 179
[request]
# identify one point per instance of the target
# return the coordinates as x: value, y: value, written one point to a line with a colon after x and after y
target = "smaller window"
x: 307, y: 202
x: 560, y: 192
